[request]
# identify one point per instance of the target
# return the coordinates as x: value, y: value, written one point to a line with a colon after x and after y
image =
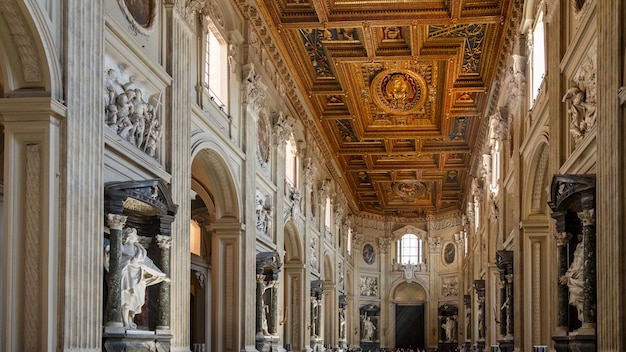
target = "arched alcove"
x: 409, y: 322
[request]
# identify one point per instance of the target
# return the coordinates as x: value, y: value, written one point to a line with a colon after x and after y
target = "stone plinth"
x: 136, y: 340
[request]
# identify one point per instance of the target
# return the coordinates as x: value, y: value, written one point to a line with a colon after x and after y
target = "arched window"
x: 410, y: 249
x: 328, y: 215
x: 215, y: 70
x: 538, y: 57
x: 292, y: 162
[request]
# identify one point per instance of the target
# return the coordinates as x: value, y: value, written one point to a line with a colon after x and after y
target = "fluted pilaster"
x: 178, y: 37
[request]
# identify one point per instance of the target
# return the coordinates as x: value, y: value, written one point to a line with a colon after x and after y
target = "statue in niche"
x: 342, y: 324
x: 368, y: 329
x: 449, y: 326
x: 573, y: 278
x: 138, y: 272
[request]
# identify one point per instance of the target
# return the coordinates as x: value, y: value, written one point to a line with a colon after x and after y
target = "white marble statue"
x: 573, y: 278
x: 449, y: 326
x: 368, y: 329
x: 138, y: 272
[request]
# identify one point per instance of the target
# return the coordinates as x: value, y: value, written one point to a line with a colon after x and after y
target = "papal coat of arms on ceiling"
x: 399, y: 91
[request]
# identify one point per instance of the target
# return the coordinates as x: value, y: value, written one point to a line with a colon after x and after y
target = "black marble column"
x: 114, y: 277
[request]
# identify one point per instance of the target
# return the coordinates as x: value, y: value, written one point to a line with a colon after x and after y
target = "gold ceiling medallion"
x: 399, y: 91
x: 408, y: 190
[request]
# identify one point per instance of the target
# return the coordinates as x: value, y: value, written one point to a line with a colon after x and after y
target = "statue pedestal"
x: 370, y: 345
x: 447, y: 347
x: 317, y: 344
x: 506, y: 344
x: 267, y: 343
x: 135, y: 340
x: 575, y: 342
x: 342, y: 343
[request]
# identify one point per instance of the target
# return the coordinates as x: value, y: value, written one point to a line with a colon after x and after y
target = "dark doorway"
x: 410, y: 326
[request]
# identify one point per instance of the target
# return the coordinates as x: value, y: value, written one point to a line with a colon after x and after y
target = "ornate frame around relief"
x: 135, y: 12
x: 263, y: 140
x: 399, y: 91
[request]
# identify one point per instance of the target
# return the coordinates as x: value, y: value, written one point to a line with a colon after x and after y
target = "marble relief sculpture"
x: 130, y: 116
x: 263, y: 214
x: 581, y: 100
x: 369, y: 286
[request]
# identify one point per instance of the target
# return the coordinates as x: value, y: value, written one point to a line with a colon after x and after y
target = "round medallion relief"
x: 399, y: 91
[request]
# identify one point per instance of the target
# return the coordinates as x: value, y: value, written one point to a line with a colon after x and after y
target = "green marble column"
x: 587, y: 216
x: 562, y: 239
x: 260, y: 283
x: 164, y: 243
x: 114, y: 299
x: 272, y: 319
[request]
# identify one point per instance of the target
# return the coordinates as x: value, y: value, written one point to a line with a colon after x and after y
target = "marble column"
x: 114, y: 298
x: 273, y: 311
x: 587, y: 216
x: 165, y: 243
x: 503, y: 302
x: 562, y: 240
x: 260, y: 283
x: 509, y: 307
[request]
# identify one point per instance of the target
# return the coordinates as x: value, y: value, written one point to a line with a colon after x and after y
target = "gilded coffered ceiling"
x: 398, y: 90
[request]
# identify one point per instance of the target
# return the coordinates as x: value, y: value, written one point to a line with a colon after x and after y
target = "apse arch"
x: 209, y: 169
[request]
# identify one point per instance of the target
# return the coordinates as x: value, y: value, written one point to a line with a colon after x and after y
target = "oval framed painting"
x: 449, y: 253
x: 368, y: 253
x: 263, y: 143
x: 141, y: 14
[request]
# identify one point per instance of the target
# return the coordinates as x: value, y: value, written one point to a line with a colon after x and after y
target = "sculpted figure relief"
x: 130, y: 116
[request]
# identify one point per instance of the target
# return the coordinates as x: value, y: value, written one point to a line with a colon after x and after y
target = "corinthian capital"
x: 116, y: 221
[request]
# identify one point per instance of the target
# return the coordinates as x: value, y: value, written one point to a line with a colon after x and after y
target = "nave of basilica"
x: 306, y: 175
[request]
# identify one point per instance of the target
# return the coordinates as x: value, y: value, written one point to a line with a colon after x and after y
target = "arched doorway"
x: 294, y: 289
x: 214, y: 270
x: 409, y: 299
